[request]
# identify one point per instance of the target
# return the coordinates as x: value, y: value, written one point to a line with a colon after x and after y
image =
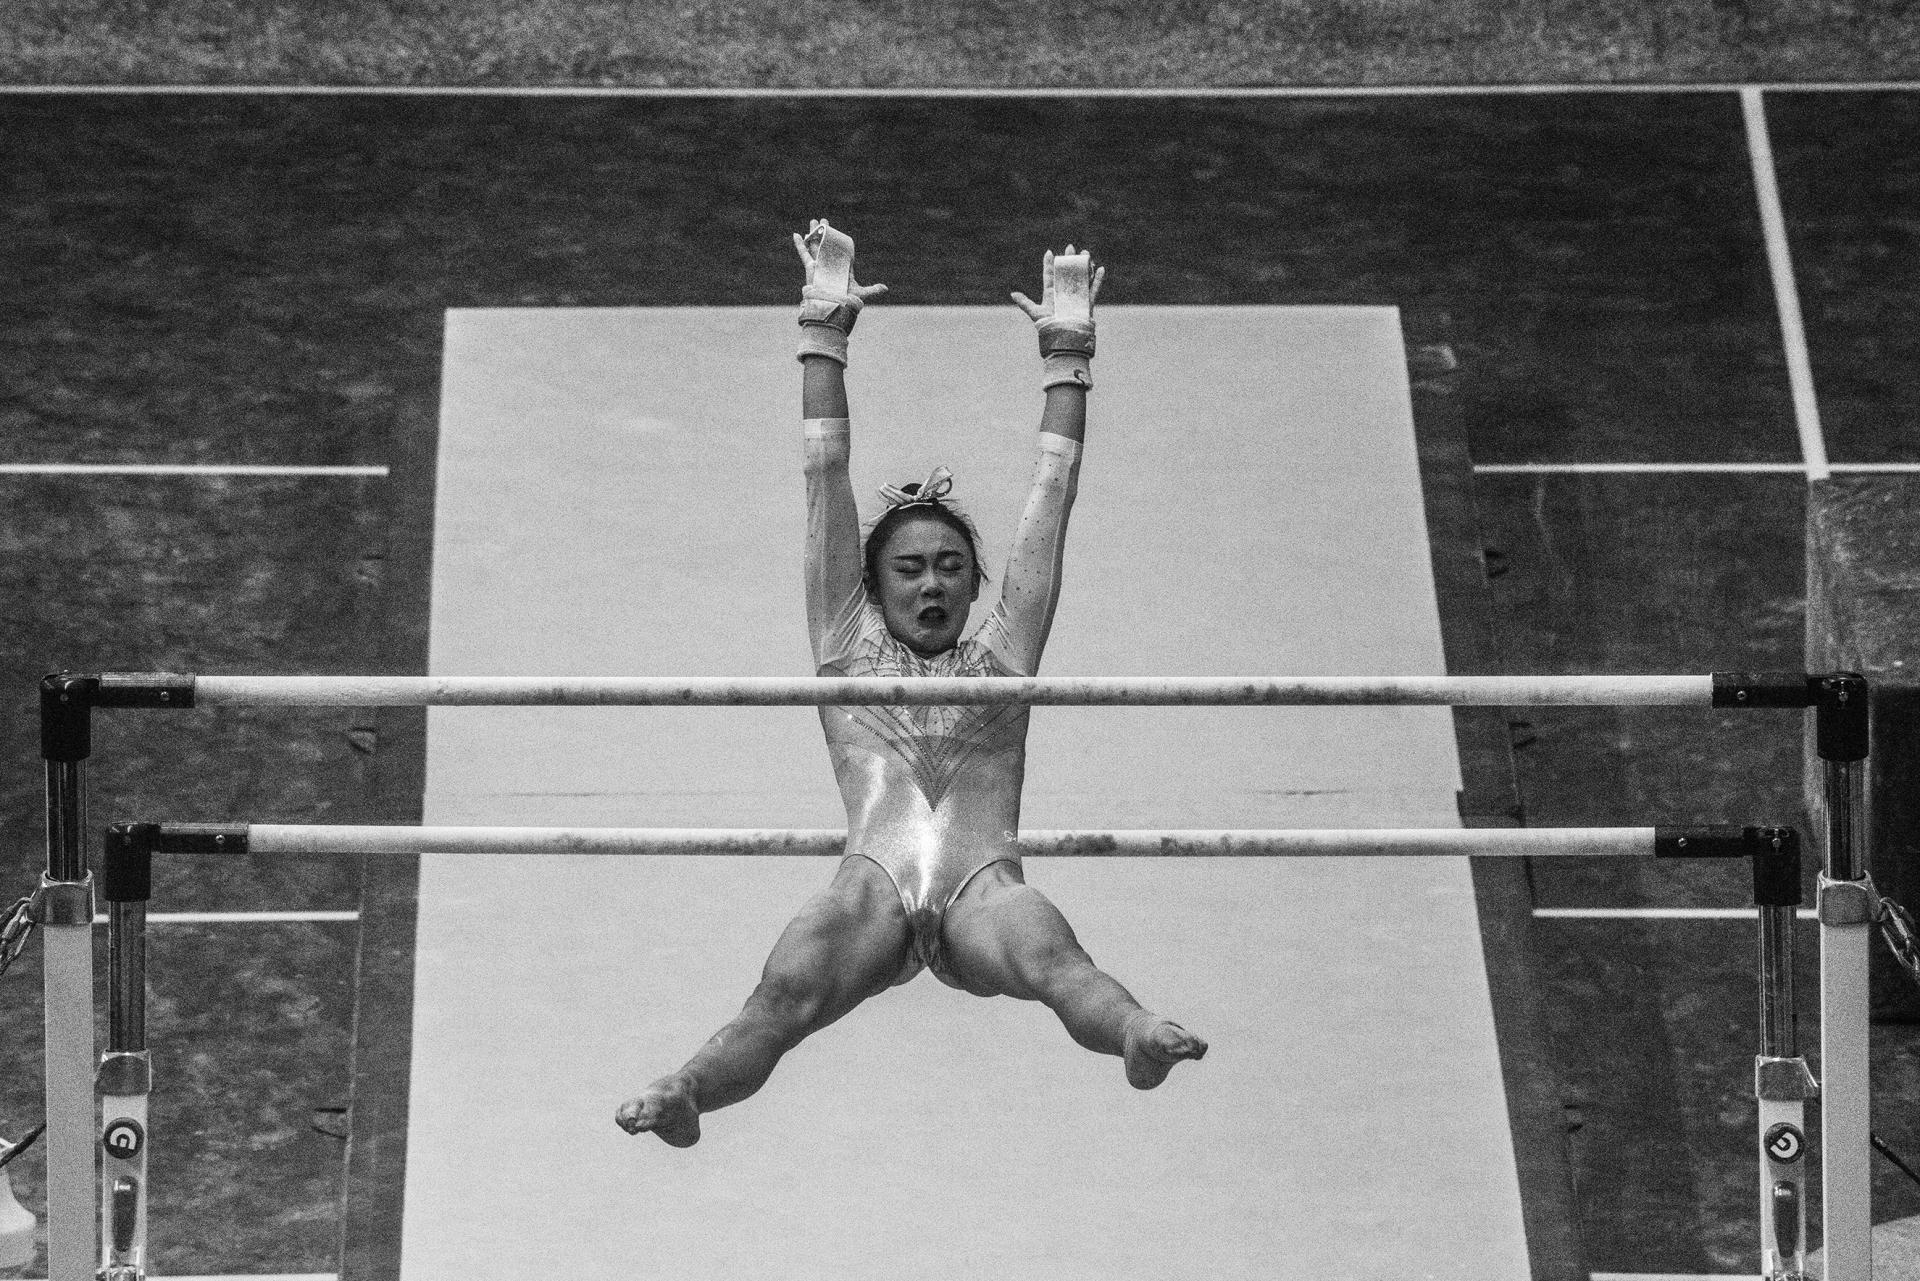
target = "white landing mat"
x: 619, y: 493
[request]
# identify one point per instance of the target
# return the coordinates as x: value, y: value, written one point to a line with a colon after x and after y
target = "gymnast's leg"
x: 846, y: 945
x: 1002, y: 937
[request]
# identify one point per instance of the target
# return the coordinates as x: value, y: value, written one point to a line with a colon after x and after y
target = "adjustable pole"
x: 1848, y: 907
x: 125, y: 1080
x: 64, y: 913
x: 1781, y: 1082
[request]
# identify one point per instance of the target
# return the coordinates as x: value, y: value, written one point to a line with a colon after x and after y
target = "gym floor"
x: 257, y: 279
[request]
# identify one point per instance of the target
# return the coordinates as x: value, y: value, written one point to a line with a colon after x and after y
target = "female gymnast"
x: 931, y: 879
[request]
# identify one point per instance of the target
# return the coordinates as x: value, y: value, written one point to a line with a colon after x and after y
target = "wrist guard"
x: 824, y: 307
x: 1058, y: 336
x: 826, y: 318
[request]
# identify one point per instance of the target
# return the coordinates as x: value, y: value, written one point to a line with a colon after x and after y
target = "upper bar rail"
x: 66, y: 697
x: 1132, y: 691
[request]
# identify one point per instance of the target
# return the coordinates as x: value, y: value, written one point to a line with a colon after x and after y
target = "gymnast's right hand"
x: 831, y: 300
x: 1064, y: 316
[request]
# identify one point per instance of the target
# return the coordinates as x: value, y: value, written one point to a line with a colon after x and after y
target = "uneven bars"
x: 296, y: 839
x: 1135, y: 691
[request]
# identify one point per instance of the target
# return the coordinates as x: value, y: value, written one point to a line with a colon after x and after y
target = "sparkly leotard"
x: 932, y: 793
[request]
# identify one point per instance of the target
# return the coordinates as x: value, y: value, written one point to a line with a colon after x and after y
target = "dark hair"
x: 933, y: 510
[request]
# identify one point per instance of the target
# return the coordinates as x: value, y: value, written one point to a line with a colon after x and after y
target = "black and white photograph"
x: 943, y: 640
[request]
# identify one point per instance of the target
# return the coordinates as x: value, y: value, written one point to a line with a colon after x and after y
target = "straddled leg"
x: 846, y: 945
x: 1004, y: 938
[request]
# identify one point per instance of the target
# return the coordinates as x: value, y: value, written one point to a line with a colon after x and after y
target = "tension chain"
x: 15, y: 927
x: 1903, y: 938
x: 8, y: 1151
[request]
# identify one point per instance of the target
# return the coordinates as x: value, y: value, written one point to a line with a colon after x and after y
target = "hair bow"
x: 938, y: 484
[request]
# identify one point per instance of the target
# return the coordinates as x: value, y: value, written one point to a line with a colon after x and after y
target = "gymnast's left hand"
x: 831, y: 296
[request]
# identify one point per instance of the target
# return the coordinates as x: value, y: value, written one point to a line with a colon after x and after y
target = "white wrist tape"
x: 818, y: 339
x: 1067, y: 367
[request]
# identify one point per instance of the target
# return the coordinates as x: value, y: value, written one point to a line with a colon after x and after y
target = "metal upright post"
x: 65, y: 917
x: 1848, y: 907
x: 126, y: 1075
x: 1781, y: 1082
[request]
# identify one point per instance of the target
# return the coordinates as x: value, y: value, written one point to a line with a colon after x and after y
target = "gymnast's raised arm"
x: 1031, y: 588
x: 829, y: 305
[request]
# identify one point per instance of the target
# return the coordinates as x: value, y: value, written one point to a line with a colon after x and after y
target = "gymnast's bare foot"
x: 667, y: 1108
x: 1154, y: 1045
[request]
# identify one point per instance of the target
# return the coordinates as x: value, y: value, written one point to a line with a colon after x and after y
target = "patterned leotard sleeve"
x: 1016, y: 630
x: 835, y: 591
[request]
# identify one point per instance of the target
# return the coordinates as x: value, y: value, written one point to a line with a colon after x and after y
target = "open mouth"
x: 932, y: 616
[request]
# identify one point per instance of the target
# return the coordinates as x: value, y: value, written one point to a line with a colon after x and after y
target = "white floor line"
x: 1681, y: 469
x: 1786, y: 293
x: 1656, y: 914
x: 1596, y: 469
x: 946, y: 91
x: 1673, y: 1276
x: 184, y: 469
x: 237, y: 918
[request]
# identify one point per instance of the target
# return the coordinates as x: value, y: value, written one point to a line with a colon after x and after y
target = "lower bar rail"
x: 303, y: 840
x: 124, y: 1081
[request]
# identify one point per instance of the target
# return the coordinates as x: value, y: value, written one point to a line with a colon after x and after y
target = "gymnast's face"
x: 925, y: 583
